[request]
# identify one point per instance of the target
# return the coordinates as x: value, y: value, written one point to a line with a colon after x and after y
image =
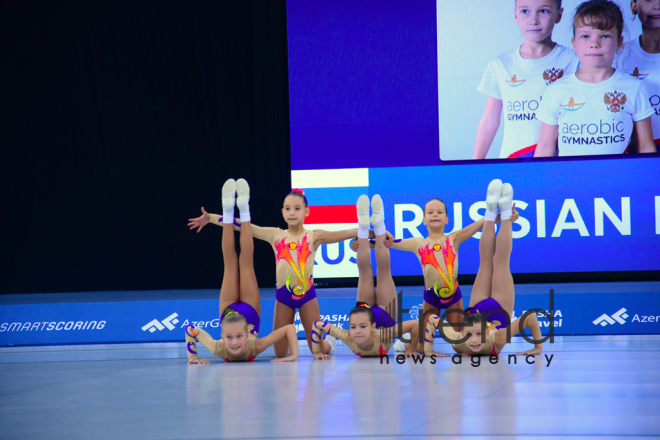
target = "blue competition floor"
x: 595, y: 387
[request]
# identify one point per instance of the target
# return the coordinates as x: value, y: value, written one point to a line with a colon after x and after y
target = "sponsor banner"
x: 581, y: 313
x: 159, y: 321
x: 116, y: 322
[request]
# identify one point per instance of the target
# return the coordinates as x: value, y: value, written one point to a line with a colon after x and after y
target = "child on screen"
x: 594, y: 110
x: 640, y: 58
x: 515, y: 81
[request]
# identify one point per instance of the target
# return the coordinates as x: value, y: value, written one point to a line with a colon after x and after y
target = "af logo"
x: 615, y: 101
x: 552, y: 75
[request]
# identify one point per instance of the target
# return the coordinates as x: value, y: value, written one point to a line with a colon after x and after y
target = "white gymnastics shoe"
x: 242, y: 193
x: 506, y: 199
x: 363, y: 211
x: 493, y: 195
x: 229, y: 195
x: 378, y: 216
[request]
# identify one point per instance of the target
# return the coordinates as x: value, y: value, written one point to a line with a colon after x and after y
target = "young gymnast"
x: 295, y: 249
x: 493, y: 288
x: 640, y: 58
x: 371, y: 323
x: 594, y: 110
x: 515, y: 81
x: 240, y: 306
x: 438, y: 256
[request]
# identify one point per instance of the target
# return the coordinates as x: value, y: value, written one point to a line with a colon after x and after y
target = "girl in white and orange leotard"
x: 491, y: 302
x: 295, y: 249
x: 438, y: 257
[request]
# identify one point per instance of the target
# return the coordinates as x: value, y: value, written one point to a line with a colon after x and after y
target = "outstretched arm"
x: 327, y: 237
x: 470, y: 230
x: 266, y: 234
x: 532, y: 323
x: 287, y: 332
x: 260, y: 232
x: 407, y: 244
x: 389, y: 239
x: 200, y: 221
x: 207, y: 218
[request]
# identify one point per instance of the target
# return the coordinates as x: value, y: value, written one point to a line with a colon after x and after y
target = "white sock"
x: 491, y: 216
x: 332, y: 341
x: 380, y: 230
x: 506, y: 214
x: 244, y: 211
x: 363, y: 232
x: 228, y: 216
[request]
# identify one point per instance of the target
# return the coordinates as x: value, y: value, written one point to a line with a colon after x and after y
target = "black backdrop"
x: 119, y: 120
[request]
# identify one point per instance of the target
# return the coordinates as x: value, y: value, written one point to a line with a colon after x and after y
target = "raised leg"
x: 229, y: 292
x: 249, y: 290
x: 366, y: 290
x: 386, y: 293
x: 503, y: 289
x: 482, y: 287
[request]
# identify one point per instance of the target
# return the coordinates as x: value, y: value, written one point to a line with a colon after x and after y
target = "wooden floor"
x: 594, y: 387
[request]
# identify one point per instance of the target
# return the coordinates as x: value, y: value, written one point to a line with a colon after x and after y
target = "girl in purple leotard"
x: 240, y: 306
x: 372, y: 324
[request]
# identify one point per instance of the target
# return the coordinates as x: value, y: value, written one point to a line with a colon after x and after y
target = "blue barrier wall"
x: 607, y: 313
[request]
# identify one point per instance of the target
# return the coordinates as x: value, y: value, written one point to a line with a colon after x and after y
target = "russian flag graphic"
x: 332, y: 195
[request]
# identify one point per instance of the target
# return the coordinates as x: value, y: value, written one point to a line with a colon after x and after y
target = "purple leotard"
x: 286, y: 297
x: 486, y: 306
x: 251, y: 315
x: 442, y: 303
x: 382, y: 318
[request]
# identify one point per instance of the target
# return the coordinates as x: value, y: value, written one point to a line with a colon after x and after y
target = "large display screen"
x: 384, y: 99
